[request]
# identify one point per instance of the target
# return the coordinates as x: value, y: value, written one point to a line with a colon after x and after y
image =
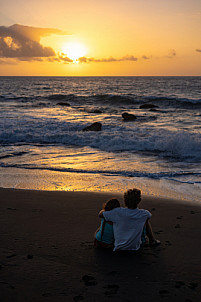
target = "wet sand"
x: 47, y: 253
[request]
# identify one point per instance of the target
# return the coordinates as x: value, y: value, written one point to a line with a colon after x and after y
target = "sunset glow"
x: 111, y: 38
x: 74, y: 50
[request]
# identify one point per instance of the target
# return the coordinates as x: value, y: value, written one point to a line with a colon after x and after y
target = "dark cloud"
x: 23, y: 42
x: 198, y: 50
x: 107, y: 60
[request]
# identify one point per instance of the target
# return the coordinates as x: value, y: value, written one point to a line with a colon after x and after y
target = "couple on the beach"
x: 124, y: 229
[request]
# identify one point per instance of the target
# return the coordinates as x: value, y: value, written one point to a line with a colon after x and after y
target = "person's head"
x: 111, y: 204
x: 131, y: 198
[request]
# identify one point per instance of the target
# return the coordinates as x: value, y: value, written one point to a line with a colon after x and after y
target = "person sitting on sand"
x: 130, y: 224
x: 104, y: 236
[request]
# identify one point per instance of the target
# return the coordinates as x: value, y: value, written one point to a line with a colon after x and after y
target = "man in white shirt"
x: 129, y: 223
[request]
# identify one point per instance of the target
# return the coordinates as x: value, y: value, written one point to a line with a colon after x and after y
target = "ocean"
x: 44, y: 147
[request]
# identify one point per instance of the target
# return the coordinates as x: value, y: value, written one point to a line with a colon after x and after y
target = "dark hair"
x: 111, y: 204
x: 131, y: 198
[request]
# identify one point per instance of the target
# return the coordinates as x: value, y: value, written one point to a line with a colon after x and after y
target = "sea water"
x: 43, y: 146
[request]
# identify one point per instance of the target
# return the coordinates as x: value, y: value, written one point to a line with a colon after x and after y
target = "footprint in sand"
x: 179, y: 284
x: 164, y: 293
x: 112, y: 273
x: 89, y: 280
x: 47, y: 295
x: 29, y: 256
x: 158, y: 232
x: 111, y: 289
x: 87, y: 244
x: 192, y: 285
x: 78, y: 298
x: 11, y: 256
x: 194, y: 212
x: 37, y: 210
x: 177, y: 226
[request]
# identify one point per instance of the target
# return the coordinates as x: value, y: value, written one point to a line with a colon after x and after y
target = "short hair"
x: 131, y: 198
x: 111, y: 204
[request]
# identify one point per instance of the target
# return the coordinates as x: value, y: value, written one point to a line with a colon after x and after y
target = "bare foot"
x: 154, y: 242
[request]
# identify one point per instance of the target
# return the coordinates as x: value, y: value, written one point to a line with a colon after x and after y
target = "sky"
x: 100, y: 38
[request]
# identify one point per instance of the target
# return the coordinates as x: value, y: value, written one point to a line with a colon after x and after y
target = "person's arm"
x: 108, y: 215
x: 100, y: 215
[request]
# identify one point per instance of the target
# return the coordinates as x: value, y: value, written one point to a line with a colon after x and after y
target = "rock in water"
x: 148, y: 106
x: 97, y: 111
x: 63, y: 104
x: 128, y: 117
x: 93, y: 127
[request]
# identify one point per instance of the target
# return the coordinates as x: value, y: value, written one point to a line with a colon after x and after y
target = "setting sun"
x: 74, y: 50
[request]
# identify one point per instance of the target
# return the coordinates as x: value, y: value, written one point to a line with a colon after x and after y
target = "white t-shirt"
x: 128, y: 225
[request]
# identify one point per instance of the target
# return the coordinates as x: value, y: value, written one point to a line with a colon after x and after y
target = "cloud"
x: 107, y: 60
x: 7, y: 62
x: 64, y: 58
x: 171, y: 54
x: 145, y: 58
x: 23, y: 42
x: 198, y: 50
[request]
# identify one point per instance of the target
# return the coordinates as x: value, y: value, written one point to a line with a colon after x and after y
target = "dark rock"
x: 93, y: 127
x: 128, y: 117
x: 97, y: 111
x: 148, y: 106
x: 63, y: 104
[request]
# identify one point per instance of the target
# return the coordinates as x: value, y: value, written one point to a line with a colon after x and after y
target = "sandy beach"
x: 47, y: 253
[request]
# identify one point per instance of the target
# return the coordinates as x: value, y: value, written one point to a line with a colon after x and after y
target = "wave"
x: 157, y: 176
x: 14, y: 154
x: 129, y: 99
x: 108, y: 99
x: 114, y: 137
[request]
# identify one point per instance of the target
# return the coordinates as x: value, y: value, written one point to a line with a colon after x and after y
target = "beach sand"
x: 47, y: 253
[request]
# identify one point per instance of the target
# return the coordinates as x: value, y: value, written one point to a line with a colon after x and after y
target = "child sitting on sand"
x: 104, y: 236
x: 130, y: 224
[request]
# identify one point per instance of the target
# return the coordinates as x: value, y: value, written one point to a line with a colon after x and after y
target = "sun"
x: 74, y: 50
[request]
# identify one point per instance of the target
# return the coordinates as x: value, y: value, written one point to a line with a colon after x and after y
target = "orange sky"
x: 82, y: 38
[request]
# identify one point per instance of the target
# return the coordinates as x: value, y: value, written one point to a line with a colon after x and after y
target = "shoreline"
x: 76, y: 182
x: 47, y: 251
x: 119, y: 194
